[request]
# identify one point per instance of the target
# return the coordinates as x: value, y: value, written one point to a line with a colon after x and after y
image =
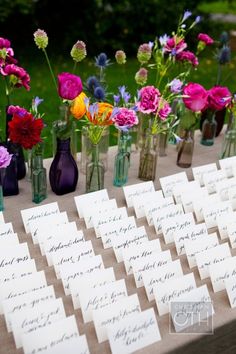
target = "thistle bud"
x: 144, y: 53
x: 78, y: 51
x: 120, y: 57
x: 41, y: 39
x: 141, y: 76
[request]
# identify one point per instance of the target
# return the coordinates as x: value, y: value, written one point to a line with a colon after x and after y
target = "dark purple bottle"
x: 63, y: 173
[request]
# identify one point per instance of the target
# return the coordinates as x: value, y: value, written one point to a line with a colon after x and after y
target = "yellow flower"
x: 78, y: 107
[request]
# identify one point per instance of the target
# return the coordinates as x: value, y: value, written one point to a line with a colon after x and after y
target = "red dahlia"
x: 25, y: 130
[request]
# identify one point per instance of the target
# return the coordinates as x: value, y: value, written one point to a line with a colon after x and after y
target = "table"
x: 224, y: 318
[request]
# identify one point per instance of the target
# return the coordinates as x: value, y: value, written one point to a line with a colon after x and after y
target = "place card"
x: 29, y: 320
x: 227, y: 165
x: 166, y: 214
x: 197, y: 304
x: 59, y: 243
x: 231, y: 230
x: 141, y: 201
x: 37, y: 213
x: 136, y: 190
x: 172, y: 290
x: 45, y: 223
x: 113, y: 230
x: 133, y: 333
x: 232, y: 197
x: 223, y: 188
x: 1, y: 218
x: 188, y: 198
x: 193, y: 247
x: 113, y: 314
x: 27, y: 301
x: 97, y: 209
x: 101, y: 297
x: 177, y: 224
x: 108, y: 218
x: 222, y: 271
x: 199, y: 171
x: 191, y: 232
x: 168, y: 183
x: 12, y: 257
x: 200, y: 202
x: 213, y: 211
x: 211, y: 256
x: 20, y: 286
x: 152, y: 207
x: 140, y: 252
x: 230, y: 285
x: 89, y: 281
x: 211, y: 179
x: 88, y: 199
x: 6, y: 230
x: 10, y: 240
x: 71, y: 271
x: 183, y: 188
x: 49, y: 338
x: 134, y: 237
x: 171, y: 270
x: 72, y: 255
x: 152, y: 262
x: 223, y: 222
x: 18, y: 271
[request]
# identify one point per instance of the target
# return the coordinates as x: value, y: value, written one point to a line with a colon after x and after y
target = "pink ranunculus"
x: 205, y: 38
x: 69, y: 86
x: 5, y: 157
x: 149, y: 97
x: 186, y: 55
x: 218, y: 98
x: 20, y: 111
x: 4, y: 43
x: 175, y: 45
x: 21, y: 77
x: 195, y: 97
x: 164, y: 109
x: 125, y: 118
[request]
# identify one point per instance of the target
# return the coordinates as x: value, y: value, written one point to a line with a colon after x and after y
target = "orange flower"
x: 101, y: 115
x: 78, y: 108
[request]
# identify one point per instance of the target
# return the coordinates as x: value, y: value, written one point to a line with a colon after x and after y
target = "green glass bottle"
x: 122, y: 159
x: 39, y: 176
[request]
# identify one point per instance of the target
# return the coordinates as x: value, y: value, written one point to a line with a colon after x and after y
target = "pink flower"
x: 164, y: 109
x: 186, y: 55
x: 6, y: 52
x: 205, y: 38
x: 69, y: 86
x: 17, y: 110
x: 195, y: 97
x: 218, y: 98
x: 125, y: 118
x: 175, y: 45
x: 5, y: 157
x: 18, y: 76
x: 149, y: 97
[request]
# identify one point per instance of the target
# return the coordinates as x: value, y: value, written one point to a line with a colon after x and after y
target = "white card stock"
x: 200, y: 171
x: 83, y: 201
x: 168, y: 183
x: 177, y: 224
x: 140, y: 202
x: 222, y: 271
x: 97, y: 209
x: 213, y: 211
x: 211, y: 179
x: 17, y: 271
x: 166, y: 214
x: 189, y: 233
x: 108, y: 218
x: 153, y: 207
x: 136, y: 190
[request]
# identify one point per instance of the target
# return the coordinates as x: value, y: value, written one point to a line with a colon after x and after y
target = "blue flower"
x: 224, y: 55
x: 101, y: 60
x: 92, y: 83
x: 116, y: 99
x: 197, y: 19
x: 36, y: 102
x: 163, y: 39
x: 186, y: 15
x: 124, y: 94
x: 99, y: 93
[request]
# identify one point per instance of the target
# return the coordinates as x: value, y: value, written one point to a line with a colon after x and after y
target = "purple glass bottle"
x: 63, y: 173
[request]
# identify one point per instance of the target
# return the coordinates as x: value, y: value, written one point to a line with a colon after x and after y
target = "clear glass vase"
x: 148, y: 156
x: 209, y: 130
x: 228, y: 148
x: 95, y: 171
x: 185, y: 149
x: 163, y: 143
x: 86, y: 149
x: 39, y: 175
x: 122, y: 159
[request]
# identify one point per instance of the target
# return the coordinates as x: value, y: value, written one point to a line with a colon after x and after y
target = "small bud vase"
x: 209, y: 130
x: 185, y: 149
x: 228, y: 148
x: 148, y: 156
x: 95, y: 171
x: 122, y: 159
x: 39, y: 176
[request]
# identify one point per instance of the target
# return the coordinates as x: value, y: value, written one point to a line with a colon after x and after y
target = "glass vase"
x: 185, y: 149
x: 39, y: 175
x: 148, y: 157
x: 141, y: 130
x: 122, y: 159
x: 95, y: 171
x: 219, y: 117
x: 2, y: 175
x: 63, y: 173
x: 86, y: 149
x: 163, y: 143
x: 228, y: 148
x: 209, y: 130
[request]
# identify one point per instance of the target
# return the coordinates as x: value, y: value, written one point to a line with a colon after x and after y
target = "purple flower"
x: 176, y: 86
x: 163, y: 39
x: 116, y: 99
x: 197, y: 19
x: 124, y: 94
x: 36, y: 102
x: 101, y: 60
x: 69, y: 86
x: 125, y: 119
x: 186, y: 15
x: 99, y: 93
x: 21, y: 112
x: 5, y: 157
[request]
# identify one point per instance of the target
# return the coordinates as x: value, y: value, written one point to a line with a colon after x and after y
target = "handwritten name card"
x: 223, y: 222
x: 232, y: 197
x: 83, y: 201
x: 230, y: 285
x: 227, y: 165
x: 6, y: 230
x: 231, y: 230
x: 188, y: 198
x: 200, y: 202
x: 12, y: 257
x: 152, y: 207
x: 183, y: 188
x: 223, y: 188
x: 213, y: 211
x: 178, y: 223
x: 10, y: 240
x: 222, y: 271
x: 199, y: 171
x: 108, y: 218
x: 18, y: 271
x: 97, y: 209
x: 166, y: 214
x: 136, y: 190
x: 211, y: 179
x: 141, y: 201
x: 168, y: 183
x: 189, y: 233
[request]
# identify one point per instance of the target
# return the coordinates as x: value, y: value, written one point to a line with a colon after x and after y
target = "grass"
x: 221, y: 7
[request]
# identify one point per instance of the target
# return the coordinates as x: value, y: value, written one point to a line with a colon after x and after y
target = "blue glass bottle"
x: 39, y: 176
x: 122, y: 159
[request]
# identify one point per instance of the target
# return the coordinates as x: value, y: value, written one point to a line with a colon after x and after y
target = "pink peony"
x: 149, y: 97
x: 218, y: 98
x: 69, y: 86
x: 125, y: 118
x: 5, y: 157
x: 175, y: 45
x: 205, y: 38
x: 186, y: 55
x: 17, y: 110
x: 195, y: 97
x: 164, y: 109
x: 18, y: 76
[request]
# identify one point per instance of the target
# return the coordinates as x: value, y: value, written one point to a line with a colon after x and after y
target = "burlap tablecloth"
x: 224, y: 315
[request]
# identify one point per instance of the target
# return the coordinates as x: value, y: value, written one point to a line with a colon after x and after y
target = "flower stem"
x: 50, y: 68
x: 74, y: 67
